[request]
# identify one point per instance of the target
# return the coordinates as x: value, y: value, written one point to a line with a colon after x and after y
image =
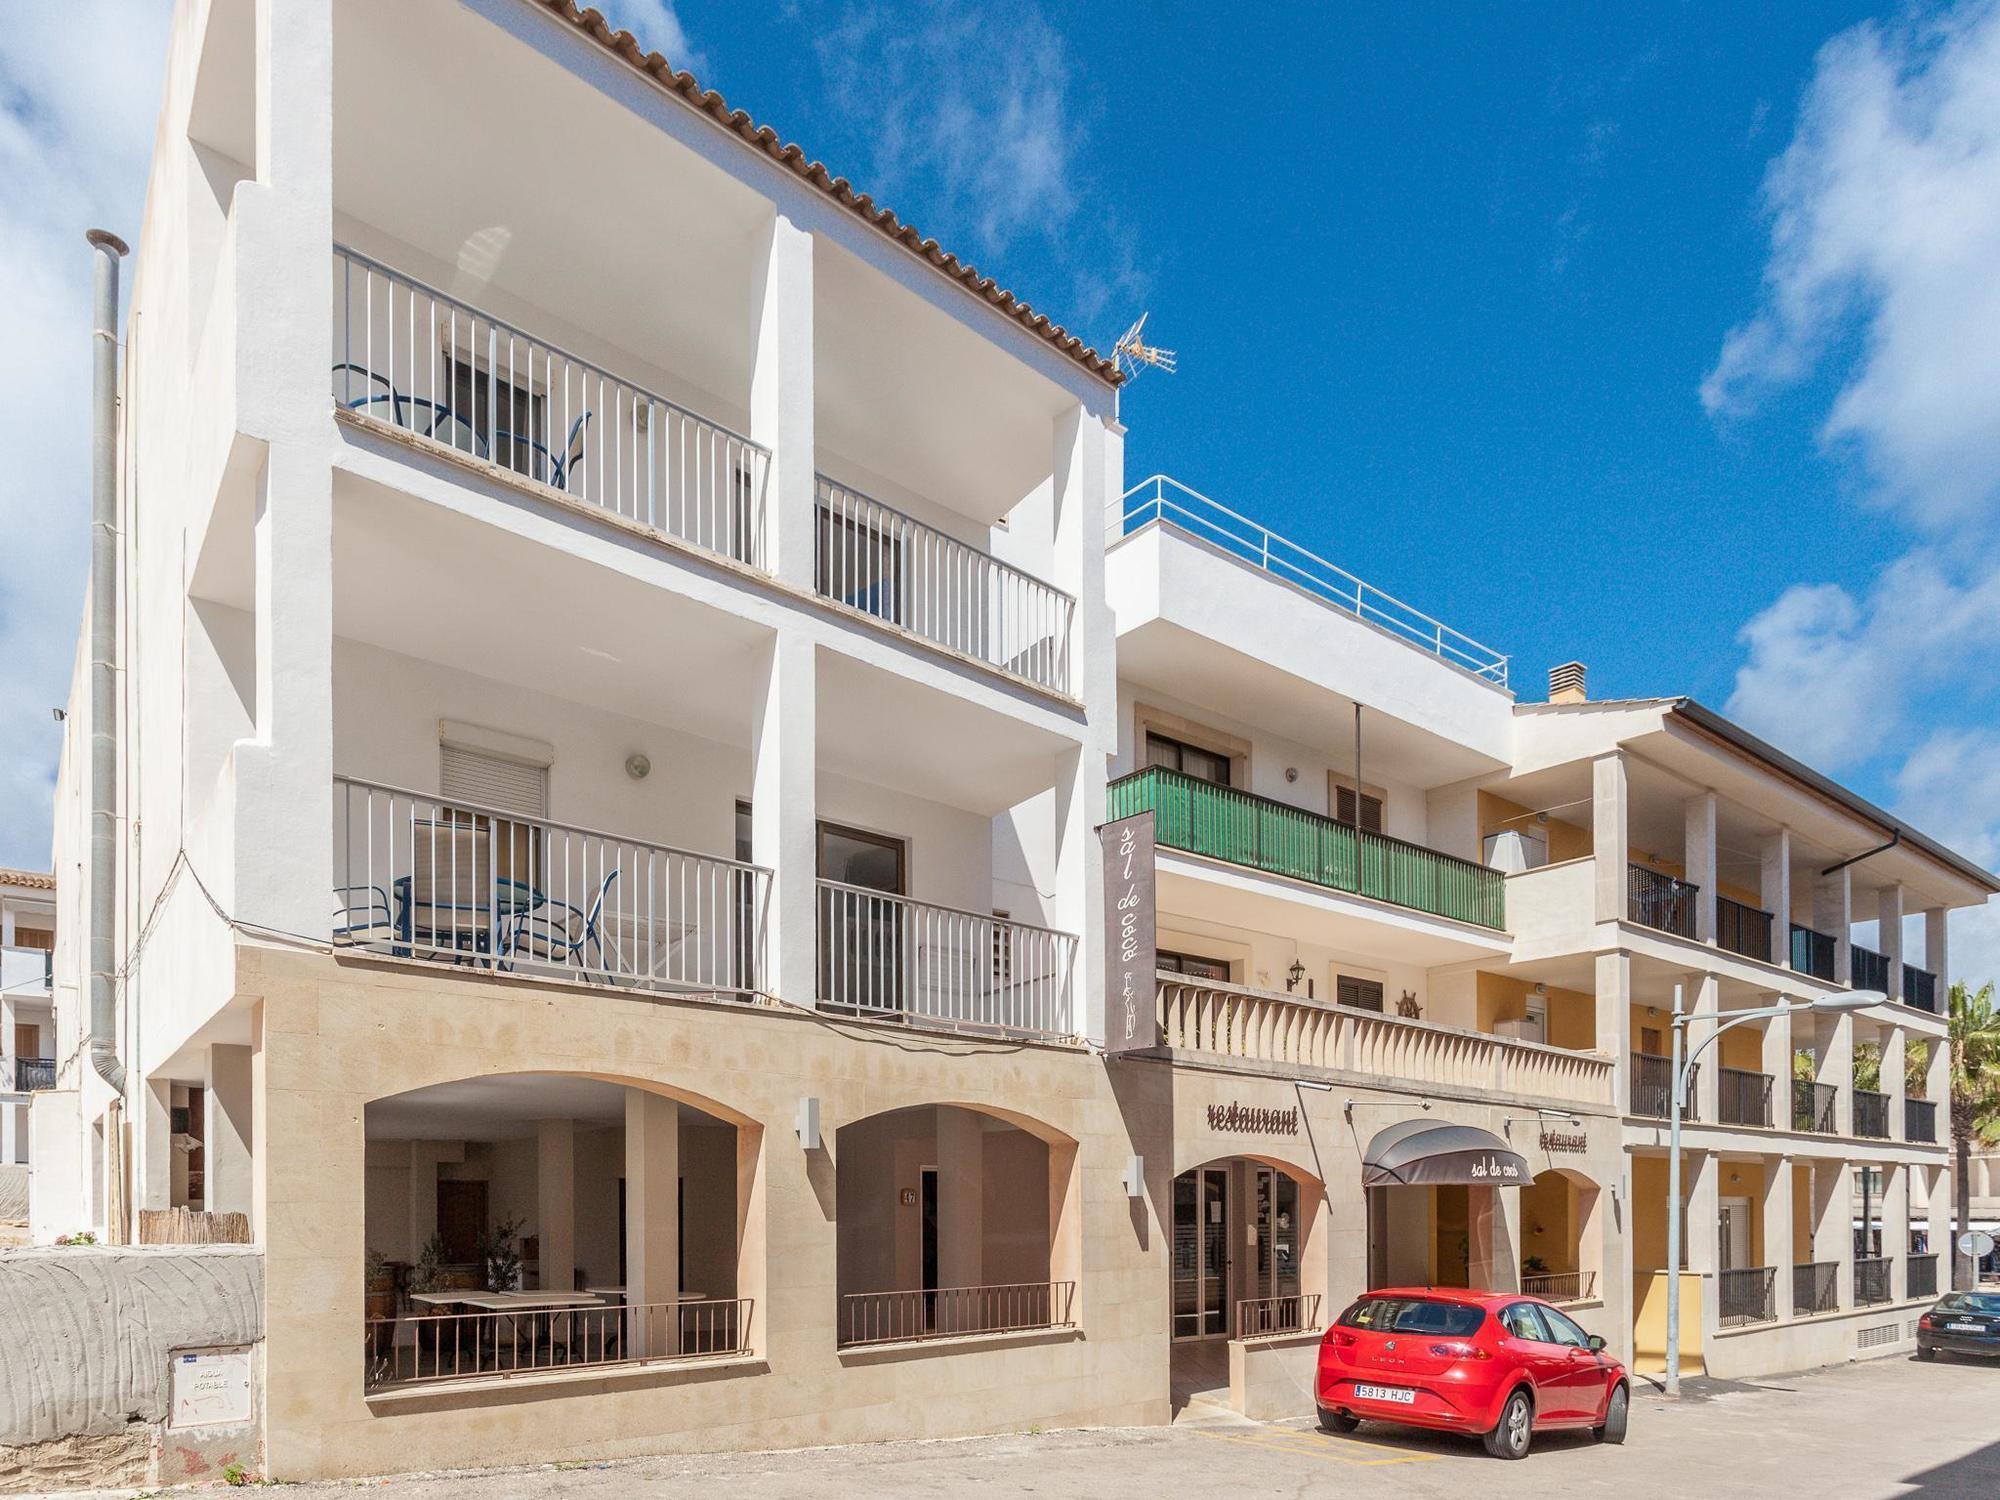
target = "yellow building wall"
x: 1572, y: 1014
x: 1649, y: 1323
x: 1801, y: 1215
x: 1745, y: 1179
x: 1742, y: 1048
x: 1498, y: 815
x: 1548, y: 1222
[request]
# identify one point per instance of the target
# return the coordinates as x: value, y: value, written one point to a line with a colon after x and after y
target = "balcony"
x: 1561, y: 1286
x: 33, y: 1074
x: 1661, y: 901
x: 1812, y: 953
x: 1920, y: 1121
x: 1919, y: 988
x: 1871, y: 1280
x: 879, y: 562
x: 1745, y: 1097
x: 919, y: 1315
x: 890, y: 958
x: 1812, y: 1106
x: 1741, y: 929
x: 1815, y: 1287
x: 1273, y: 1317
x: 1920, y: 1274
x: 1871, y: 1115
x: 1746, y: 1295
x: 415, y: 360
x: 1288, y: 1032
x: 482, y: 888
x: 1653, y: 1087
x: 1258, y: 833
x: 1867, y: 969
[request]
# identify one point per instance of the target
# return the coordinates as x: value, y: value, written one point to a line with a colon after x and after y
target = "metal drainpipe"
x: 108, y: 249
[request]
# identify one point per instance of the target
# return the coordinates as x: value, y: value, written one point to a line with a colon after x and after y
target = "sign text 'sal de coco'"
x: 1131, y: 941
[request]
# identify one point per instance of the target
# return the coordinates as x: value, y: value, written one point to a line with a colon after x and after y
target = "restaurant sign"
x: 1556, y: 1141
x: 1131, y: 939
x: 1241, y: 1119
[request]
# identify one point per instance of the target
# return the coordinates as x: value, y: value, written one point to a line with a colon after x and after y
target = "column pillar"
x: 227, y: 1145
x: 1894, y: 1041
x: 652, y: 1218
x: 1701, y: 1223
x: 10, y: 1129
x: 1836, y: 1067
x: 1699, y: 819
x: 1937, y: 952
x: 1937, y: 1218
x: 1889, y: 935
x: 1833, y: 913
x: 1614, y: 1022
x: 1703, y: 992
x: 1833, y: 1223
x: 781, y: 401
x: 1495, y: 1259
x: 1896, y: 1227
x: 1079, y: 884
x: 1777, y: 1063
x: 1779, y: 1252
x: 1610, y: 838
x: 555, y: 1202
x: 783, y: 810
x: 1774, y: 892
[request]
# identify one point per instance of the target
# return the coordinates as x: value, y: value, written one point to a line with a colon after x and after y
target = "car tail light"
x: 1459, y: 1350
x: 1925, y: 1323
x: 1342, y: 1339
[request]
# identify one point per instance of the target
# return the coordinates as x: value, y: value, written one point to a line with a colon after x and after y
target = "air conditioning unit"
x: 1514, y: 851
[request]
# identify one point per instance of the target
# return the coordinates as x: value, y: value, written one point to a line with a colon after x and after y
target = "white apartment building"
x: 27, y: 1023
x: 625, y: 651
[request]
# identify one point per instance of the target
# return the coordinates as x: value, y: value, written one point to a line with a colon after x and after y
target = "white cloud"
x: 79, y: 89
x: 1885, y: 258
x: 658, y: 27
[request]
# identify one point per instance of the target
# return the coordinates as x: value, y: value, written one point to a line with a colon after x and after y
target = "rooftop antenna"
x: 1133, y: 354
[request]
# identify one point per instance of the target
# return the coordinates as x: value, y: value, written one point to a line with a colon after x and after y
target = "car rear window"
x: 1986, y: 1304
x: 1454, y: 1320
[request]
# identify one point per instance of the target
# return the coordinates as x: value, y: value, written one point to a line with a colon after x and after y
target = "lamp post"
x: 1683, y: 1063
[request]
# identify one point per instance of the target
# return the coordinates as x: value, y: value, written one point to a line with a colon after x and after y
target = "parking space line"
x: 1281, y: 1440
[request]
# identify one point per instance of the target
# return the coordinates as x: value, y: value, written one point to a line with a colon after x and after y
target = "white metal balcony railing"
x: 1162, y: 499
x: 890, y: 957
x: 418, y: 359
x: 418, y: 877
x: 878, y: 561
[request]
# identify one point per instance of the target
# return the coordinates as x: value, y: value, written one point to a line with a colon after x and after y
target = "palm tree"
x: 1975, y: 1098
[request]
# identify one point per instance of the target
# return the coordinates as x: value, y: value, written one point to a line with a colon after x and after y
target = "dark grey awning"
x: 1430, y: 1151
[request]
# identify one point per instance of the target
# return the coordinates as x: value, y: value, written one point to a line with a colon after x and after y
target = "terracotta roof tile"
x: 624, y: 45
x: 34, y: 880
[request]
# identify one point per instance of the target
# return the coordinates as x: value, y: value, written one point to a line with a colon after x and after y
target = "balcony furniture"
x: 1871, y: 1114
x: 1920, y: 1274
x: 550, y: 931
x: 1743, y: 929
x: 1745, y: 1097
x: 362, y: 912
x: 1871, y: 1280
x: 1867, y: 969
x: 1815, y: 1287
x: 1661, y: 901
x: 1920, y: 1120
x: 1812, y: 953
x: 1653, y: 1087
x: 1259, y: 833
x: 396, y: 400
x: 1919, y: 988
x: 1746, y: 1295
x: 1812, y: 1106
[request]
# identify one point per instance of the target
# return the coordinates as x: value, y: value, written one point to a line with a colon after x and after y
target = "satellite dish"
x: 1133, y: 354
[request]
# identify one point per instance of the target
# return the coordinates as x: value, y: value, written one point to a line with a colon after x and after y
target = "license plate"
x: 1400, y: 1395
x: 1965, y: 1328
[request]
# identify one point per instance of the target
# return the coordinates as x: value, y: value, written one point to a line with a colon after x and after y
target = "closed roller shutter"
x: 477, y: 778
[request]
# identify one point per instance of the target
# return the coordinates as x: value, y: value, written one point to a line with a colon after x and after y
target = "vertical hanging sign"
x: 1131, y: 939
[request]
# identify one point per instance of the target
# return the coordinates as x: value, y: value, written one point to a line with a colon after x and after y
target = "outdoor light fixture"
x: 1294, y: 974
x: 808, y: 1124
x: 638, y: 767
x: 1135, y: 1177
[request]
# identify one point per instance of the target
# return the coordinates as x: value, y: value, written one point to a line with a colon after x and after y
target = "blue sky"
x: 1652, y: 335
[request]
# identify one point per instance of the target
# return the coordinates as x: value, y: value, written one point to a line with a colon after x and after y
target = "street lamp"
x: 1683, y: 1070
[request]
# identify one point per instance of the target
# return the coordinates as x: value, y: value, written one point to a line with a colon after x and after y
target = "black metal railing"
x: 1871, y: 1280
x: 1867, y: 969
x: 1653, y: 1087
x: 1920, y: 1120
x: 1812, y: 952
x: 1920, y: 988
x: 1746, y: 1295
x: 1743, y: 929
x: 1871, y: 1114
x: 1656, y: 900
x: 1812, y: 1106
x: 1745, y: 1097
x: 1815, y: 1287
x: 32, y: 1074
x: 1920, y: 1272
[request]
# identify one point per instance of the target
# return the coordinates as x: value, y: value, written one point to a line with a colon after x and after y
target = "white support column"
x: 1703, y: 1224
x: 1079, y: 881
x: 1779, y: 1252
x: 1610, y: 836
x: 1894, y: 1041
x: 1833, y: 1223
x: 1614, y: 1023
x: 227, y: 1150
x: 1836, y: 1066
x: 961, y: 1188
x: 1833, y: 913
x: 783, y: 810
x: 12, y: 1129
x: 555, y: 1202
x: 1937, y: 1218
x: 1777, y: 1063
x: 1937, y: 951
x: 781, y: 400
x: 1699, y: 818
x: 1775, y: 892
x: 652, y: 1217
x: 1085, y: 457
x: 1703, y: 993
x: 1896, y: 1227
x: 1889, y: 935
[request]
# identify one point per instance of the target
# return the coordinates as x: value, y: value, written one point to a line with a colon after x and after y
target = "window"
x: 1524, y: 1321
x: 1189, y: 760
x: 465, y: 847
x: 1649, y: 1042
x: 1361, y: 994
x: 1454, y: 1320
x: 493, y: 418
x: 1371, y: 809
x: 861, y: 565
x: 1562, y: 1330
x: 1193, y: 966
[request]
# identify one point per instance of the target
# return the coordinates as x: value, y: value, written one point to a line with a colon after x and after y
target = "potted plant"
x: 427, y: 1275
x: 500, y: 1255
x: 381, y: 1287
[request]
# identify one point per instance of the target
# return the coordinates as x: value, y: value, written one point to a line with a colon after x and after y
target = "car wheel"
x: 1617, y: 1416
x: 1337, y: 1421
x: 1926, y: 1354
x: 1511, y: 1434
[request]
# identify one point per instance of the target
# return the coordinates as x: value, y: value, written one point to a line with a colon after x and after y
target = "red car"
x: 1495, y: 1363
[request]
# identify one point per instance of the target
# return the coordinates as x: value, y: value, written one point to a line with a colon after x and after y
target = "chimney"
x: 1566, y: 683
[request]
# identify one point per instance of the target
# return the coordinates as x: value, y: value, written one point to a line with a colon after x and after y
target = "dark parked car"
x: 1960, y: 1323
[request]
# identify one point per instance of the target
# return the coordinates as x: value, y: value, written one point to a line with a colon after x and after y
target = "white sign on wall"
x: 209, y: 1387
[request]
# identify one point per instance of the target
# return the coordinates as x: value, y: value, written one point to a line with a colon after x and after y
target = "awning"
x: 1430, y: 1151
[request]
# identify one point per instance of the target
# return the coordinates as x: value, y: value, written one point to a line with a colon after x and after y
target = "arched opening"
x: 1562, y: 1237
x: 953, y: 1221
x: 554, y: 1220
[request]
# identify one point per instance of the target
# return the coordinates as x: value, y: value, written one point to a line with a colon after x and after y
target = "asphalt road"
x: 1884, y: 1428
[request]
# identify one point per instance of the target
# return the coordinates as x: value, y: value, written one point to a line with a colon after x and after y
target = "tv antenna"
x: 1133, y: 354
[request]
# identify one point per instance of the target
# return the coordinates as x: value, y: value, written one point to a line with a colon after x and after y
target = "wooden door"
x: 461, y: 1219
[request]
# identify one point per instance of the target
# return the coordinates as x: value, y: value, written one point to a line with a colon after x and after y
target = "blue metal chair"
x: 402, y: 408
x: 556, y: 932
x: 559, y: 465
x: 361, y: 912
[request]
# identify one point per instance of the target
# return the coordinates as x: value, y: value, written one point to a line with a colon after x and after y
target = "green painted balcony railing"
x: 1224, y: 823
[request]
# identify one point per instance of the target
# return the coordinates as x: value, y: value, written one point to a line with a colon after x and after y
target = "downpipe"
x: 103, y: 895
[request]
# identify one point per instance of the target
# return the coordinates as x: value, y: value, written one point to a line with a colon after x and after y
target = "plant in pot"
x: 381, y: 1285
x: 427, y: 1275
x: 500, y: 1255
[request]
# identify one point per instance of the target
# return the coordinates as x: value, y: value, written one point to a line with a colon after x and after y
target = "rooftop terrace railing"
x: 1168, y: 500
